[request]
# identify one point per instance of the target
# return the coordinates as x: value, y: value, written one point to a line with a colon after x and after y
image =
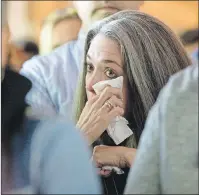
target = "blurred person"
x: 55, y: 76
x: 191, y: 38
x: 59, y: 27
x: 126, y: 45
x: 167, y: 158
x: 21, y: 50
x: 53, y: 147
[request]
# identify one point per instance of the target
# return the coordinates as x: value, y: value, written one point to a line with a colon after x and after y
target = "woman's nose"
x: 92, y: 81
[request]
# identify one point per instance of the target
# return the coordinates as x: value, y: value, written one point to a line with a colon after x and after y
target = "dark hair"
x: 190, y: 36
x: 27, y: 46
x: 12, y: 118
x: 31, y: 47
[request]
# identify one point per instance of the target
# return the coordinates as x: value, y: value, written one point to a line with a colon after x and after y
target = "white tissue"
x: 117, y: 83
x: 112, y: 168
x: 118, y: 129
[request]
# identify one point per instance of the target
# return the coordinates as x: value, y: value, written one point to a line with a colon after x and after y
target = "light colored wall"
x: 179, y: 15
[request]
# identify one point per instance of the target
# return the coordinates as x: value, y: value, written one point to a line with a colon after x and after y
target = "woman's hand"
x: 118, y: 156
x: 99, y: 112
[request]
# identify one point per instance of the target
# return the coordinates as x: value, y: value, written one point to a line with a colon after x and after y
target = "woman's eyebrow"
x: 105, y: 61
x: 110, y: 62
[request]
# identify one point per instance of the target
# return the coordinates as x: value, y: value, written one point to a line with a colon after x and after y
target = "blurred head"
x: 190, y: 40
x: 92, y: 11
x: 127, y: 45
x: 5, y: 34
x: 21, y: 50
x: 59, y: 27
x: 190, y: 36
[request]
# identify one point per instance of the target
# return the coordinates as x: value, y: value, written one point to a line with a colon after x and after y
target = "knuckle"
x: 121, y: 111
x: 114, y: 98
x: 118, y: 111
x: 95, y: 150
x: 93, y: 99
x: 121, y: 103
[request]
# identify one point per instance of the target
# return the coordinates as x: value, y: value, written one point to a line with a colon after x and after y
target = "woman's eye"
x: 89, y: 67
x: 110, y: 73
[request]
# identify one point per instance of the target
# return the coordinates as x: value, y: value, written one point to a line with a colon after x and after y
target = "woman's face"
x: 104, y: 62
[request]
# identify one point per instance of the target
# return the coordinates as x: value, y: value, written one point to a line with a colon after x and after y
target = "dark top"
x: 14, y: 88
x: 114, y: 184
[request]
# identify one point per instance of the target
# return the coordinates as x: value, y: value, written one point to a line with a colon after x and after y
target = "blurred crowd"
x: 105, y: 103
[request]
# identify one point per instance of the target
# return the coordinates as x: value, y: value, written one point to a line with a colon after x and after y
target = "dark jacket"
x: 15, y: 140
x: 114, y: 184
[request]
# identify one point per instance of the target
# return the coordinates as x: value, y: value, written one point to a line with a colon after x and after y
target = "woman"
x: 60, y: 27
x: 146, y: 53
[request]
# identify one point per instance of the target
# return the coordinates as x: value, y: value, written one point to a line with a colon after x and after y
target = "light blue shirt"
x: 54, y: 78
x: 52, y: 157
x: 60, y: 160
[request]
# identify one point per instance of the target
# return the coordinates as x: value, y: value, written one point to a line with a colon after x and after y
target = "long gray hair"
x: 151, y: 54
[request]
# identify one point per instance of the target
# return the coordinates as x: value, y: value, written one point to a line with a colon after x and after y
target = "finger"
x: 105, y: 173
x: 93, y: 100
x: 106, y: 94
x: 88, y: 109
x: 116, y: 102
x: 110, y: 91
x: 116, y: 111
x: 110, y: 104
x: 106, y: 108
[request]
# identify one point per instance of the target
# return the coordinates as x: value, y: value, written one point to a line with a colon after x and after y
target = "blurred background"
x: 181, y: 16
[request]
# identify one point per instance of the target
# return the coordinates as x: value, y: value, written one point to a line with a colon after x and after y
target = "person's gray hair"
x: 4, y: 11
x: 151, y: 54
